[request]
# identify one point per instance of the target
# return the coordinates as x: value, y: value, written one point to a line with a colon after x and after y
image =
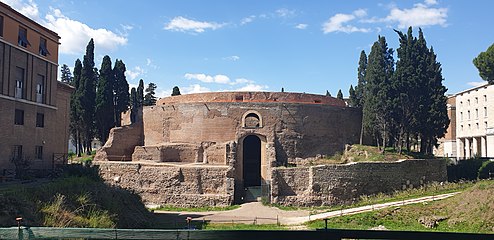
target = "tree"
x: 104, y: 100
x: 485, y: 64
x: 121, y: 91
x: 339, y: 95
x: 380, y: 68
x: 66, y: 76
x: 149, y: 98
x: 75, y: 125
x: 134, y: 105
x: 328, y: 94
x: 88, y: 96
x: 140, y: 93
x: 351, y: 96
x: 359, y: 89
x: 176, y: 91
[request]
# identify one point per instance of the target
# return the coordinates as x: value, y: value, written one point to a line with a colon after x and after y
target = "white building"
x: 474, y: 122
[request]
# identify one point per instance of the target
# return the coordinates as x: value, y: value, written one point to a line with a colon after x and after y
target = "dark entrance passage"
x: 252, y: 161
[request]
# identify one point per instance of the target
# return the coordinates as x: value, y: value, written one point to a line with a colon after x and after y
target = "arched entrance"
x: 251, y: 161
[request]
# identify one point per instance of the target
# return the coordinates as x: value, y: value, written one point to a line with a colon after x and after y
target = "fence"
x: 99, y: 233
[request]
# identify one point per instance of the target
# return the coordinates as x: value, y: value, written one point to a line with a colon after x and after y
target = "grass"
x: 196, y: 209
x: 79, y: 199
x: 469, y: 211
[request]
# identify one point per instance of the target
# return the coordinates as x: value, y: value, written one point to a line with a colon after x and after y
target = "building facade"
x: 34, y: 106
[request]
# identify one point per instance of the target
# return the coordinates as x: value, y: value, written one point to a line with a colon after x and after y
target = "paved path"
x: 257, y: 213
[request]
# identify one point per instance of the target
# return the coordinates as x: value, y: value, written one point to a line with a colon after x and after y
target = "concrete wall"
x: 185, y: 186
x: 336, y: 184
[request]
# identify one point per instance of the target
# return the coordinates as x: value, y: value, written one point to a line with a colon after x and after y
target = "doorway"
x: 252, y: 161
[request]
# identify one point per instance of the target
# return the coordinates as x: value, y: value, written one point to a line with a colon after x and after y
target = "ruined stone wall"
x: 184, y: 186
x: 336, y: 184
x: 295, y: 130
x: 121, y: 143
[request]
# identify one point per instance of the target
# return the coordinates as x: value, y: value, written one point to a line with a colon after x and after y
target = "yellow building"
x: 34, y: 106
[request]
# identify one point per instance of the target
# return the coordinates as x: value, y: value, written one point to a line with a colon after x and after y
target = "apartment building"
x: 34, y: 106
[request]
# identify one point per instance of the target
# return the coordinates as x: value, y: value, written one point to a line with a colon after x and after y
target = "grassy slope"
x: 77, y: 200
x: 470, y: 211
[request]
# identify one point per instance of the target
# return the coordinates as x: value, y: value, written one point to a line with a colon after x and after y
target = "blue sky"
x: 302, y: 46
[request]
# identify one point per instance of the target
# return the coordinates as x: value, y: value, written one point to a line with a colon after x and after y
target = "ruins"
x: 223, y: 148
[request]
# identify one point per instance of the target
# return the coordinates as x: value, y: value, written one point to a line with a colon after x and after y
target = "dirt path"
x: 256, y: 213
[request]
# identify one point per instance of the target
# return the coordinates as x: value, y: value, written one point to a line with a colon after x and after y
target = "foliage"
x: 176, y: 91
x: 486, y: 170
x: 465, y: 169
x: 75, y: 125
x: 339, y: 95
x: 485, y: 64
x: 149, y: 98
x: 358, y: 99
x: 328, y: 94
x: 140, y: 93
x: 121, y: 91
x: 66, y: 75
x: 87, y: 94
x: 352, y: 96
x: 104, y: 100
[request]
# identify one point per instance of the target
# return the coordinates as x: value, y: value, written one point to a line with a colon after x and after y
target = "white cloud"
x: 477, y: 84
x: 420, y: 15
x: 182, y: 24
x: 232, y: 58
x: 338, y: 22
x: 301, y: 26
x: 134, y: 73
x: 248, y: 19
x: 253, y: 87
x: 242, y: 81
x: 74, y: 34
x: 430, y: 2
x: 195, y: 88
x: 285, y: 13
x: 222, y: 79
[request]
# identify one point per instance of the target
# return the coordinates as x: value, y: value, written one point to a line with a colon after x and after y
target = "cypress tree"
x: 134, y: 105
x: 352, y: 97
x: 88, y: 96
x: 328, y: 94
x: 121, y: 91
x: 140, y: 93
x: 359, y: 89
x: 75, y: 125
x: 339, y: 95
x: 176, y: 91
x: 104, y: 100
x: 149, y: 98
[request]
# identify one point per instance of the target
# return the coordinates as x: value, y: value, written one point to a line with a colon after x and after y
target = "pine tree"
x: 359, y: 89
x: 339, y: 95
x: 121, y: 91
x: 485, y: 64
x: 104, y: 100
x: 66, y: 76
x: 75, y: 125
x: 328, y: 94
x: 88, y: 96
x: 176, y: 91
x: 140, y: 93
x: 149, y: 98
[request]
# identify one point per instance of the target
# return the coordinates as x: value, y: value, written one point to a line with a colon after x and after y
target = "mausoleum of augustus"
x: 223, y: 148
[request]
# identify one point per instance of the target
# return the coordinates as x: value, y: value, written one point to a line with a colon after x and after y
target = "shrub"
x: 465, y: 169
x: 485, y: 170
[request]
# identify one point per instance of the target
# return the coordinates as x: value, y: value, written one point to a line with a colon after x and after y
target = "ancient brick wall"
x: 184, y: 186
x: 336, y: 184
x: 295, y: 130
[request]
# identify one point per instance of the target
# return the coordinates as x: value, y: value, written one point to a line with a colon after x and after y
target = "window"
x: 485, y: 98
x: 461, y: 127
x: 40, y: 89
x: 476, y: 114
x: 461, y: 116
x: 38, y: 152
x: 22, y: 38
x: 476, y: 100
x: 485, y: 111
x: 1, y: 26
x: 477, y: 125
x: 40, y: 120
x: 43, y: 50
x: 469, y: 126
x: 461, y: 104
x: 16, y: 152
x: 468, y: 114
x: 485, y: 124
x: 19, y: 117
x: 19, y: 82
x: 468, y: 102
